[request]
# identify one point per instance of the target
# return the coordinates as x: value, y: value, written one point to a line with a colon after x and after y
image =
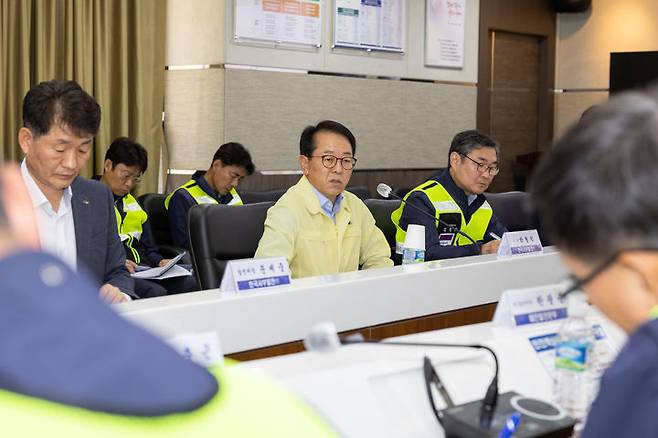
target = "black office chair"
x: 249, y: 197
x: 381, y: 210
x: 361, y: 192
x: 219, y: 233
x: 402, y: 191
x: 514, y: 211
x: 153, y: 205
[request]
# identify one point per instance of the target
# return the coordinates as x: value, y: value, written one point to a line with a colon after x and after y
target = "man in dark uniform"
x: 455, y: 195
x: 125, y: 163
x: 218, y: 185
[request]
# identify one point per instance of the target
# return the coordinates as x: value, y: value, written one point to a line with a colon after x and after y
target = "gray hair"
x: 466, y: 141
x: 596, y: 188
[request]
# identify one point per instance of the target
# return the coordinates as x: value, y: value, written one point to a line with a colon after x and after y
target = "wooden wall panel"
x: 533, y: 19
x: 514, y: 101
x: 472, y: 315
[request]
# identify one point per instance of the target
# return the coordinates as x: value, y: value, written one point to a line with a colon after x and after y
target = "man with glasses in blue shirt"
x: 596, y: 191
x: 318, y: 226
x: 456, y: 197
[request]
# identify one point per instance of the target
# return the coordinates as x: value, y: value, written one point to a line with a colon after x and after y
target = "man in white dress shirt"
x: 76, y: 216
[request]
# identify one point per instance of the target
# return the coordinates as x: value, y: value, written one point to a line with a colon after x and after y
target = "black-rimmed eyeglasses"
x: 482, y: 167
x: 579, y: 283
x: 329, y: 161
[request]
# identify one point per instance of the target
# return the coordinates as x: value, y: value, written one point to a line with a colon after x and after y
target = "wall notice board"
x: 279, y: 21
x: 370, y: 24
x: 444, y: 33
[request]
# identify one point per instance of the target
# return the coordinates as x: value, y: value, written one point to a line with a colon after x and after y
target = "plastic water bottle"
x: 413, y: 250
x: 574, y: 349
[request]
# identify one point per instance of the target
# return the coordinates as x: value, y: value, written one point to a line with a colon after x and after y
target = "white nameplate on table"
x: 201, y: 348
x: 248, y: 274
x: 523, y: 307
x: 516, y: 243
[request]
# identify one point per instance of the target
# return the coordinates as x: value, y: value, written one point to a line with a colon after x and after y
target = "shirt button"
x: 51, y: 275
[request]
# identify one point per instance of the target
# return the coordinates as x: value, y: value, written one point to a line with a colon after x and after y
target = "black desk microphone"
x: 323, y: 337
x: 483, y: 418
x: 385, y: 191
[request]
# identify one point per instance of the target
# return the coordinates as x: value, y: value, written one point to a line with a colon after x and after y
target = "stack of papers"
x: 169, y: 270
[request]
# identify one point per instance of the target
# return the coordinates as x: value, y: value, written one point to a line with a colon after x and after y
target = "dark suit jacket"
x: 99, y: 248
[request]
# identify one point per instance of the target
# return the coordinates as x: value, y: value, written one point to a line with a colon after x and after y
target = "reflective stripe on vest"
x: 444, y: 203
x: 247, y: 404
x: 130, y: 226
x: 200, y: 196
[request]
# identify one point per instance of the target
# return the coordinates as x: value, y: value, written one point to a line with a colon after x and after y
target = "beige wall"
x: 195, y: 34
x: 584, y: 43
x: 398, y: 124
x: 204, y: 108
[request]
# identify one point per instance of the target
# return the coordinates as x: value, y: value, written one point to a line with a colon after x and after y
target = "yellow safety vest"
x: 130, y: 226
x: 200, y: 196
x: 248, y: 404
x: 444, y: 203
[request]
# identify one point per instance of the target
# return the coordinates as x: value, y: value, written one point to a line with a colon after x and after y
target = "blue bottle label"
x: 571, y: 355
x: 412, y: 255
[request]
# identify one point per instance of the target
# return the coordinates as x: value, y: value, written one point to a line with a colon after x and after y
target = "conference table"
x: 379, y: 302
x: 379, y: 390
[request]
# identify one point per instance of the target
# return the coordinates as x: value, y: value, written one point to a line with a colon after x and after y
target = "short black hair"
x: 467, y: 141
x: 595, y: 188
x: 127, y: 152
x: 306, y: 144
x: 234, y: 154
x: 62, y: 103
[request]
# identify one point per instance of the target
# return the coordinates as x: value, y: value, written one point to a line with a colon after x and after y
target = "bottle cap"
x: 577, y: 305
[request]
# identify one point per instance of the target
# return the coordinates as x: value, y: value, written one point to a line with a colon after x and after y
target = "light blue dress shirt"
x: 329, y: 208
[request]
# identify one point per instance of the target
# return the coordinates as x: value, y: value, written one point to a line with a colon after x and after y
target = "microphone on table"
x: 385, y: 191
x: 473, y: 419
x: 324, y: 338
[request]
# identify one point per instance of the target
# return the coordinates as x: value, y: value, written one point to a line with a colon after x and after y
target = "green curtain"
x: 115, y: 49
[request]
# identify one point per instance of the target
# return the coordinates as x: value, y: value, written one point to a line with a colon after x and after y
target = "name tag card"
x: 247, y: 274
x: 523, y: 307
x: 518, y: 243
x: 201, y: 348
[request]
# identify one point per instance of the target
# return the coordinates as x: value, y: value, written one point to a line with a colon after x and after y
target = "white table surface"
x: 351, y: 300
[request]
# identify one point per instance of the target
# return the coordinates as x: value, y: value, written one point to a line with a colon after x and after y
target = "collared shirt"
x: 329, y: 208
x: 297, y: 228
x: 56, y: 228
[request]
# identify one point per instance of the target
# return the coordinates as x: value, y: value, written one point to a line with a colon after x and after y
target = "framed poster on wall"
x: 444, y: 33
x: 370, y: 24
x: 294, y: 22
